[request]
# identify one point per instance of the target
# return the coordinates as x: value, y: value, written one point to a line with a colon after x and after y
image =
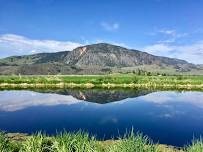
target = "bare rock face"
x: 107, y: 55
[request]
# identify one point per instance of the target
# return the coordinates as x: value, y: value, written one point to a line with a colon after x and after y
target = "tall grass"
x: 132, y: 143
x: 197, y: 146
x: 83, y: 142
x: 4, y: 143
x: 36, y: 143
x: 77, y: 142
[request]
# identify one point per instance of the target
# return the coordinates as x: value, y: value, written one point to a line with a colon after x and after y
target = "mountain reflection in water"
x: 166, y: 116
x: 101, y: 96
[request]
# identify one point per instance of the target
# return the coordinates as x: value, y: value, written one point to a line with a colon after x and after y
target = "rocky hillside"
x: 90, y: 59
x: 40, y: 58
x: 114, y: 56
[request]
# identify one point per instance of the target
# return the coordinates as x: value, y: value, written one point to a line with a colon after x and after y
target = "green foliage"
x: 132, y: 143
x: 99, y: 79
x: 6, y: 145
x: 36, y: 143
x: 83, y: 142
x: 135, y: 80
x: 78, y: 142
x: 197, y: 146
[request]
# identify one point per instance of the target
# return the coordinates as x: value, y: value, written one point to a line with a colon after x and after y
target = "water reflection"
x: 167, y: 97
x: 18, y: 100
x: 168, y: 117
x: 100, y: 96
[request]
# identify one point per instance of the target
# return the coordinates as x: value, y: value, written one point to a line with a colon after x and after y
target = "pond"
x: 167, y: 117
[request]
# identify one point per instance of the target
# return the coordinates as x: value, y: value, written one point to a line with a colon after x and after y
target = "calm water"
x: 168, y: 117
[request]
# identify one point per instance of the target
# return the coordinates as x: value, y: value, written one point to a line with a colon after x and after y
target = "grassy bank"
x: 82, y: 142
x: 103, y: 81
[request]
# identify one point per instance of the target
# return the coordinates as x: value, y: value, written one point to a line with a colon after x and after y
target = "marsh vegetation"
x: 83, y: 142
x: 104, y: 81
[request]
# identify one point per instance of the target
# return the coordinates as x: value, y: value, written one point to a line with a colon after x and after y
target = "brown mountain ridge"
x: 92, y: 59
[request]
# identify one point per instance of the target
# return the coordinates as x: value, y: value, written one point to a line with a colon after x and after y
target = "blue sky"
x: 172, y: 28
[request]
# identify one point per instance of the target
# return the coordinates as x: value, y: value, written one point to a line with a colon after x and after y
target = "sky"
x: 171, y: 28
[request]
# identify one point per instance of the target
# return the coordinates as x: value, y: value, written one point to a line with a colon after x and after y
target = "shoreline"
x: 103, y: 81
x: 19, y: 138
x: 104, y: 85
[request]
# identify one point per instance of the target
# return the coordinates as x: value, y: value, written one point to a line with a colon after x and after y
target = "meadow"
x: 83, y: 142
x: 109, y: 81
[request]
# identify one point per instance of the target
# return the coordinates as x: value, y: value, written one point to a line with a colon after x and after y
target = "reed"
x: 36, y: 143
x: 77, y: 142
x: 196, y: 146
x: 133, y: 143
x: 4, y: 143
x: 83, y: 142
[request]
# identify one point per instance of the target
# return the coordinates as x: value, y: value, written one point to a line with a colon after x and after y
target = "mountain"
x: 92, y: 59
x: 107, y: 55
x: 100, y: 96
x: 34, y: 59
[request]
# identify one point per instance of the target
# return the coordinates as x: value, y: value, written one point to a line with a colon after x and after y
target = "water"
x: 167, y: 117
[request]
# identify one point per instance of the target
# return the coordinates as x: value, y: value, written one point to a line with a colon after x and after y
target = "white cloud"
x: 167, y: 97
x: 172, y: 103
x: 168, y: 32
x: 168, y: 35
x: 11, y: 44
x: 173, y: 33
x: 167, y: 40
x: 110, y: 26
x: 167, y: 46
x: 192, y: 53
x: 158, y: 49
x: 25, y: 99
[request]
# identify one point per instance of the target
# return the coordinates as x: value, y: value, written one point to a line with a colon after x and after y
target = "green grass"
x: 197, y: 146
x: 83, y: 142
x: 6, y: 145
x: 36, y: 143
x: 78, y: 142
x: 132, y: 143
x: 115, y: 80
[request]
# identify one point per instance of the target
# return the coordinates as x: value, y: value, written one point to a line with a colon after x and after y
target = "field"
x: 82, y: 142
x: 106, y: 81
